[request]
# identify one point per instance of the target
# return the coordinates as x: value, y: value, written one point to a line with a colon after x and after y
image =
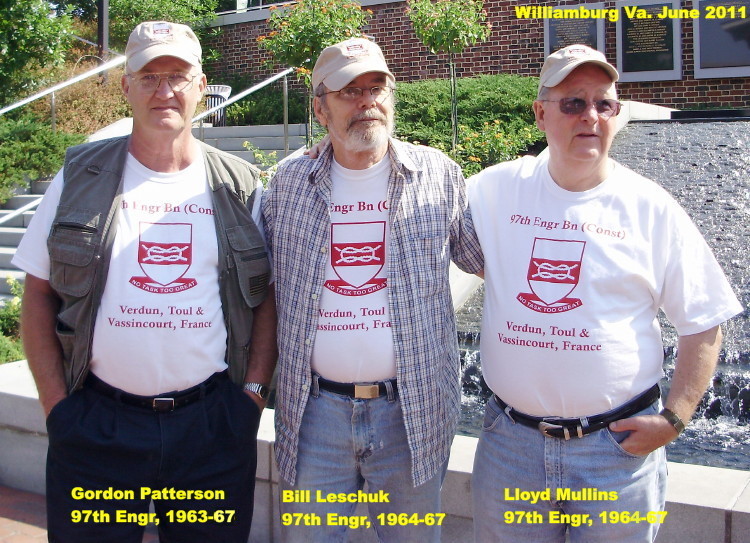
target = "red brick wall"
x: 515, y: 46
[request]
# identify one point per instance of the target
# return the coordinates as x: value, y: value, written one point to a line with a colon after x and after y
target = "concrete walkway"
x: 22, y: 516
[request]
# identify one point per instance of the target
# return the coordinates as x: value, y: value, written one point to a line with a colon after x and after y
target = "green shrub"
x: 494, y: 111
x: 490, y: 144
x: 10, y: 350
x: 29, y: 150
x: 265, y: 107
x: 10, y: 311
x: 10, y: 315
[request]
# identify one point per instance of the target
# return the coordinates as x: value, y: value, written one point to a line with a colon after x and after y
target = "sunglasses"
x: 605, y: 108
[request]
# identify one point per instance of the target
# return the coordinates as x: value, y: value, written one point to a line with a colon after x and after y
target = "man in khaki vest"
x: 148, y: 321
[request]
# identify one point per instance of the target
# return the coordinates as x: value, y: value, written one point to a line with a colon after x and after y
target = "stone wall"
x: 515, y: 46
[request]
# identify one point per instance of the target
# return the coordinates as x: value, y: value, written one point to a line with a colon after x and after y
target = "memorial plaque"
x: 564, y: 32
x: 587, y: 28
x: 647, y: 43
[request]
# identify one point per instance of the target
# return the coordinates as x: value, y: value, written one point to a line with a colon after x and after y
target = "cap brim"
x: 341, y: 78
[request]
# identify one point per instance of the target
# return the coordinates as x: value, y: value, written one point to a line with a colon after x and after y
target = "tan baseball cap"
x: 154, y: 39
x: 563, y: 61
x: 339, y: 64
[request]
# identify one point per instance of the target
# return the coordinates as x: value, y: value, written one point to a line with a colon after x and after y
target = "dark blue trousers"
x: 108, y: 460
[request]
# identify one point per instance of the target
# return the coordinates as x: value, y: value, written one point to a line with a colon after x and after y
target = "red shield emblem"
x: 165, y: 253
x: 553, y: 274
x: 357, y: 257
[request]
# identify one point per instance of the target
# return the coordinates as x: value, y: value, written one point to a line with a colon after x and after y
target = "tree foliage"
x: 30, y: 39
x: 124, y: 15
x: 449, y: 26
x: 300, y: 31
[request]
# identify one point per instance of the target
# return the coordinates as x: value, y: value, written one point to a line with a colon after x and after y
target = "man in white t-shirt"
x: 580, y: 255
x: 146, y: 312
x: 361, y: 239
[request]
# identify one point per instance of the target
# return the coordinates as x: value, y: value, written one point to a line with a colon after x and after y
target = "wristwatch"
x: 673, y: 419
x: 257, y: 388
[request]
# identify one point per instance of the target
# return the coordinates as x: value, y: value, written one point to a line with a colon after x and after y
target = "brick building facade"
x: 515, y: 46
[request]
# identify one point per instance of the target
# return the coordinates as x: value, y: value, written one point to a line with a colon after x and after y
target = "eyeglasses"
x: 354, y: 93
x: 177, y: 82
x: 575, y: 106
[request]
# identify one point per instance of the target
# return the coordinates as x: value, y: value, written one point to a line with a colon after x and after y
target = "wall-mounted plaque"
x: 648, y: 40
x: 567, y: 25
x: 721, y: 38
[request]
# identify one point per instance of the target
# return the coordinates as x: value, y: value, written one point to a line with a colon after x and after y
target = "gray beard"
x: 360, y: 140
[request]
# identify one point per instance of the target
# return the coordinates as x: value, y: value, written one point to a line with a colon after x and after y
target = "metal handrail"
x: 106, y: 66
x: 116, y: 62
x: 240, y: 95
x: 20, y: 210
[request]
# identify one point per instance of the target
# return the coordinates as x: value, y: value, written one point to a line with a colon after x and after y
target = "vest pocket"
x: 72, y: 245
x: 251, y: 261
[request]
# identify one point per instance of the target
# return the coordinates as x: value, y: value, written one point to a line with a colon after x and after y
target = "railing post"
x: 286, y: 116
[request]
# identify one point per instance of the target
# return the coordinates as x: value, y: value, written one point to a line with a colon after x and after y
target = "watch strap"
x: 673, y: 419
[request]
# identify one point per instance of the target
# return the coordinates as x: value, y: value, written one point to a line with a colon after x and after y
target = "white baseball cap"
x: 343, y: 62
x: 559, y: 64
x: 154, y: 39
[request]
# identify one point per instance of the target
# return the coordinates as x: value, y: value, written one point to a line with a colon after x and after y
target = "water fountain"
x: 705, y: 166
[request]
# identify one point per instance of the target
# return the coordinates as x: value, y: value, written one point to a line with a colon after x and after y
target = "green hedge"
x: 265, y: 106
x: 496, y: 122
x: 29, y: 149
x: 10, y: 316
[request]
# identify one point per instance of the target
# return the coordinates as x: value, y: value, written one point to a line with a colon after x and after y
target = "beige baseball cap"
x: 154, y: 39
x: 563, y: 61
x: 339, y: 64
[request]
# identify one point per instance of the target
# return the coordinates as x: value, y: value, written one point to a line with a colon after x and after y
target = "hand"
x: 314, y: 151
x: 260, y: 402
x: 647, y: 433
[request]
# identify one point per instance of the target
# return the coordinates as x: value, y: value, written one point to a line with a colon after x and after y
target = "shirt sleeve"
x: 696, y: 295
x: 466, y: 251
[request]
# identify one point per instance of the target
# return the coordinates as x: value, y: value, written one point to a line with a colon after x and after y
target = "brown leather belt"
x: 579, y: 427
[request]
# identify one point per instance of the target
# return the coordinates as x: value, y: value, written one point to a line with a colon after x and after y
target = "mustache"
x: 369, y: 115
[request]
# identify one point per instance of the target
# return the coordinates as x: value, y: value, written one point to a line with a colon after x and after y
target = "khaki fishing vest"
x: 83, y: 231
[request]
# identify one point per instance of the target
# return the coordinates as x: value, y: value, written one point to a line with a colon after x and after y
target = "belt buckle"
x: 366, y: 392
x: 163, y: 405
x: 544, y: 426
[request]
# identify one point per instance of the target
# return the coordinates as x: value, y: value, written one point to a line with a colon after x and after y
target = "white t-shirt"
x: 160, y: 325
x: 574, y: 281
x: 354, y: 342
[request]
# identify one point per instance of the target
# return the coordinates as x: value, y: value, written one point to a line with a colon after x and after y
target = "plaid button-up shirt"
x: 429, y: 226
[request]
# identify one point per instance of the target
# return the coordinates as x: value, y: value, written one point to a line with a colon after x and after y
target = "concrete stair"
x: 12, y: 231
x: 268, y: 138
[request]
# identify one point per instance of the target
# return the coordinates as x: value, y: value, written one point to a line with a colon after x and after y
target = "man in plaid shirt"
x: 361, y: 238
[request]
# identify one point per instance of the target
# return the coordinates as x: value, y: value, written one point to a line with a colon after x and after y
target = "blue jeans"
x: 343, y: 443
x: 513, y: 460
